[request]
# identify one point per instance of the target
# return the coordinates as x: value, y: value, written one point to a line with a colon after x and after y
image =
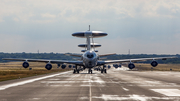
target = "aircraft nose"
x: 90, y: 55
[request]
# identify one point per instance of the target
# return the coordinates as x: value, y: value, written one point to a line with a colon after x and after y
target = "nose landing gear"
x: 89, y: 71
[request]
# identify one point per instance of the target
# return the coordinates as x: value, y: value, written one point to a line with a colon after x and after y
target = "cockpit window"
x: 90, y: 55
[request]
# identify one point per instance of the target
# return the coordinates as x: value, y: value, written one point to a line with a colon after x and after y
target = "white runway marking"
x: 90, y: 96
x: 125, y: 89
x: 168, y: 92
x: 132, y: 97
x: 54, y: 82
x: 29, y: 81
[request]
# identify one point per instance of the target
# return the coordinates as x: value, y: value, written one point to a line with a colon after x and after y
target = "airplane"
x: 89, y: 59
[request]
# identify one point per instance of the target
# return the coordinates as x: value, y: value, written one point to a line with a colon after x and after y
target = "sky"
x: 143, y: 26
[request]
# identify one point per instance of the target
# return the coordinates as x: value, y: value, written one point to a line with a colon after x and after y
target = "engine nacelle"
x: 131, y: 66
x: 115, y: 65
x: 154, y: 63
x: 70, y: 66
x: 48, y: 66
x: 109, y: 66
x: 120, y: 65
x: 25, y: 64
x: 63, y: 66
x: 58, y: 65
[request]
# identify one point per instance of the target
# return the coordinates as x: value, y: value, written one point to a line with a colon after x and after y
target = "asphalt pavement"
x: 117, y: 85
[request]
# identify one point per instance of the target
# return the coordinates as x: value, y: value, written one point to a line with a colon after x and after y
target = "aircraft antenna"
x: 89, y: 27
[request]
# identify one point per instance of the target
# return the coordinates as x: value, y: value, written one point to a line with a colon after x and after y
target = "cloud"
x: 129, y: 23
x: 47, y: 15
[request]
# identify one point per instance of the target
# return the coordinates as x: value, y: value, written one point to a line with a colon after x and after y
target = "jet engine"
x: 25, y: 64
x: 58, y: 65
x: 154, y: 63
x: 131, y: 66
x: 70, y: 66
x: 63, y: 66
x: 109, y: 66
x: 48, y: 66
x: 115, y: 65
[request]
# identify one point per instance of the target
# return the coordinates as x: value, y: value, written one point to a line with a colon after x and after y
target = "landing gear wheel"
x: 89, y: 71
x: 105, y: 71
x: 77, y: 71
x: 74, y: 71
x: 102, y: 71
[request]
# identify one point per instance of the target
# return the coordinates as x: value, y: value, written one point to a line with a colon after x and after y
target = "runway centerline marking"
x: 90, y: 96
x: 29, y: 81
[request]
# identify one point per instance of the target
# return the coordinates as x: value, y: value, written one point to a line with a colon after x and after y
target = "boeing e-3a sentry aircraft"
x: 90, y: 59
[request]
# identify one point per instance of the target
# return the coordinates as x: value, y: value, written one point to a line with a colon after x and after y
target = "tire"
x: 78, y: 71
x: 102, y: 71
x: 105, y: 71
x: 74, y: 71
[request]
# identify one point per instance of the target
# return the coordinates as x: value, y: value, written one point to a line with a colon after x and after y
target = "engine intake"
x: 120, y: 65
x: 70, y: 66
x: 48, y: 66
x: 115, y: 65
x: 154, y: 63
x: 25, y: 64
x: 131, y: 66
x: 109, y: 66
x: 58, y: 65
x: 63, y: 66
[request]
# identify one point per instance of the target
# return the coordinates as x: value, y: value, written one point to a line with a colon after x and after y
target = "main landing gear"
x: 103, y: 70
x: 76, y: 70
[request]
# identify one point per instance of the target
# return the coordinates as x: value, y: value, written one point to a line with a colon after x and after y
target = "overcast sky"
x: 144, y: 26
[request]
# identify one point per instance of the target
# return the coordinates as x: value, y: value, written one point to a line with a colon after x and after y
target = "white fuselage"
x: 90, y: 59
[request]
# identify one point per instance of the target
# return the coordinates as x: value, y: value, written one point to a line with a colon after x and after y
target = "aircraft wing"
x: 46, y: 61
x: 133, y: 60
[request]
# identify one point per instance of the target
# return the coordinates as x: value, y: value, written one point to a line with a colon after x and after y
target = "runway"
x: 117, y: 85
